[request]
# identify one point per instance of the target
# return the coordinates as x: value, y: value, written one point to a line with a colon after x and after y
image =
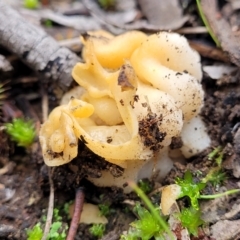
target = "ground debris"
x: 39, y: 51
x: 28, y: 178
x: 228, y: 40
x: 7, y: 230
x: 158, y: 16
x: 225, y: 229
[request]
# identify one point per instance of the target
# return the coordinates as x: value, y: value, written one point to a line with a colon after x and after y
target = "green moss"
x: 21, y: 131
x: 146, y: 227
x: 216, y: 176
x: 35, y: 233
x: 104, y: 209
x: 97, y: 230
x: 57, y: 231
x: 191, y: 219
x: 150, y: 223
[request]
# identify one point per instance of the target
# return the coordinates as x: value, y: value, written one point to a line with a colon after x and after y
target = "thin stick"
x: 44, y: 104
x: 36, y: 48
x: 50, y: 206
x: 51, y: 196
x: 79, y: 200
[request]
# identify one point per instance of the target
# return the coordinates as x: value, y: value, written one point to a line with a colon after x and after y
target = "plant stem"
x: 219, y: 194
x: 79, y: 200
x: 207, y: 24
x: 150, y: 206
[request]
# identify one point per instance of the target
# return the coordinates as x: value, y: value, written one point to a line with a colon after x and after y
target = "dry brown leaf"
x: 120, y: 20
x: 81, y: 23
x: 157, y: 13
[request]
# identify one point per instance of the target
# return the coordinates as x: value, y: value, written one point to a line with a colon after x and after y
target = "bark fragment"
x: 38, y: 50
x: 229, y: 42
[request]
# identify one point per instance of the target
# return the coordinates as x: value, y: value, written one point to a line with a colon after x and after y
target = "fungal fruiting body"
x: 136, y: 94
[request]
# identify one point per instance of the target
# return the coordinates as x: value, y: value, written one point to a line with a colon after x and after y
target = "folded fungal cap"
x: 138, y: 92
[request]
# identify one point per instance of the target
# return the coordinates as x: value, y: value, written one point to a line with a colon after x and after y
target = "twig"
x: 37, y: 49
x: 74, y: 44
x: 7, y: 167
x: 191, y: 30
x: 44, y: 104
x: 50, y: 206
x: 51, y: 196
x: 79, y: 200
x: 210, y: 51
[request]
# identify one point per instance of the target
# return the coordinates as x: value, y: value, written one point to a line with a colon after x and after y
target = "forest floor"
x: 24, y: 178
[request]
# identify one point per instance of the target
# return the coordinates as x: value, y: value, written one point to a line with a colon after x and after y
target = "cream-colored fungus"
x: 136, y: 93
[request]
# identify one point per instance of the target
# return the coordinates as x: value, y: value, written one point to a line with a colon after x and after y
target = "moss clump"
x: 21, y: 131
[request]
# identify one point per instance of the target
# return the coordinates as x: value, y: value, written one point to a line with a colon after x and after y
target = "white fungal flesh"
x: 194, y: 136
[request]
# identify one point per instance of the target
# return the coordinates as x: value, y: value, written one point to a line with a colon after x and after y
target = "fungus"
x: 90, y: 214
x: 136, y: 94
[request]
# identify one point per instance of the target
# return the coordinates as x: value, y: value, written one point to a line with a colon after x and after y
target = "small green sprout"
x: 104, y: 209
x: 216, y: 175
x: 191, y: 219
x: 150, y: 222
x: 214, y: 153
x: 147, y: 226
x: 35, y: 233
x: 57, y: 230
x: 30, y: 4
x: 21, y: 131
x: 219, y: 159
x: 48, y: 23
x: 56, y: 215
x: 145, y: 186
x: 66, y: 208
x: 190, y: 189
x: 97, y: 230
x: 106, y: 4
